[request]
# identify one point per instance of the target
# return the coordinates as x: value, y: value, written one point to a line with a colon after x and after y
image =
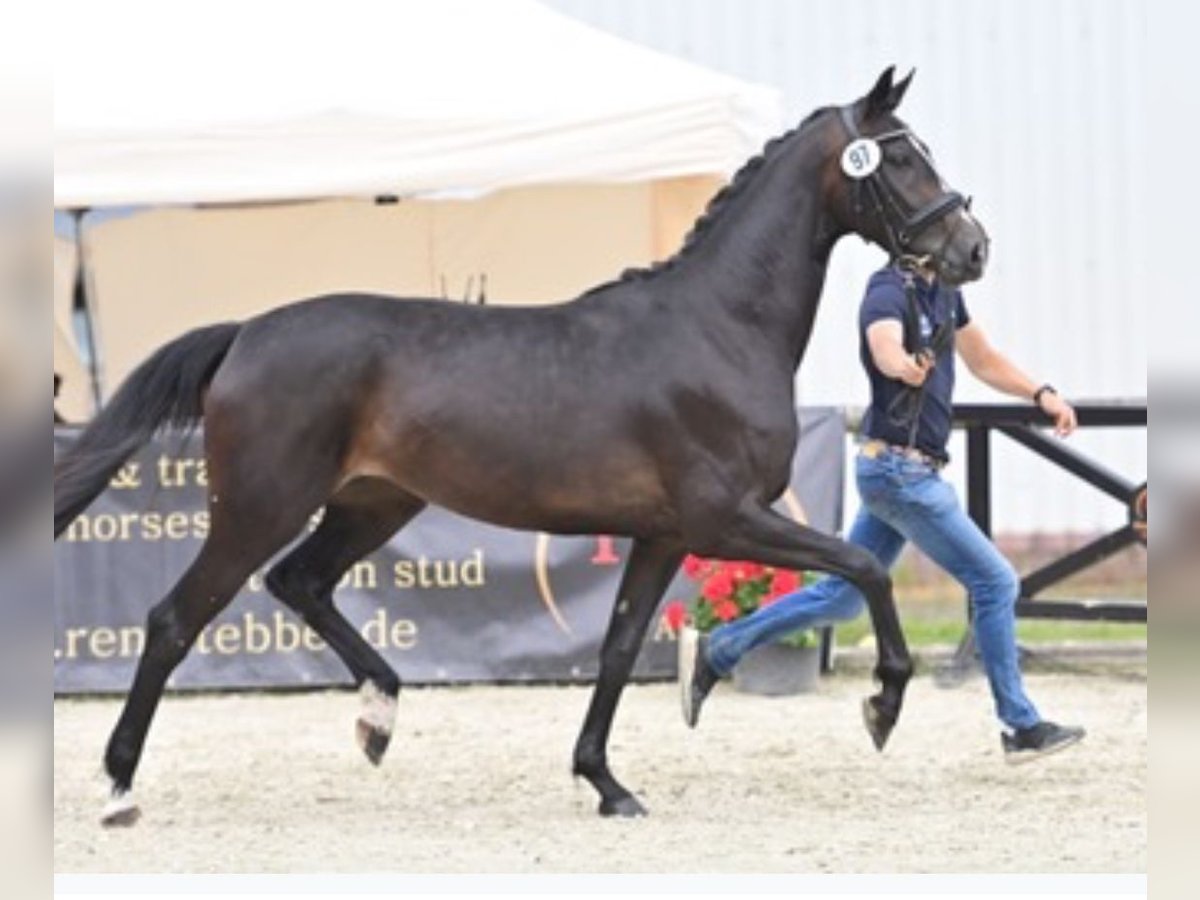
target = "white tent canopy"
x: 214, y: 101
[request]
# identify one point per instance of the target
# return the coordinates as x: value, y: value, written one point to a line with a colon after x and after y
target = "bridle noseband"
x: 902, y: 226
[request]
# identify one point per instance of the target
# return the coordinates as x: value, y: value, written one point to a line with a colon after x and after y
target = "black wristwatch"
x: 1044, y: 389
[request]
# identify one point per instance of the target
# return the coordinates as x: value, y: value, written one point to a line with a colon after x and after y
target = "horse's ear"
x: 876, y: 100
x: 886, y: 95
x: 898, y: 89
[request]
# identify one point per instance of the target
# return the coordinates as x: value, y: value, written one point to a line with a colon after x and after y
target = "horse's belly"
x: 549, y: 505
x: 539, y: 482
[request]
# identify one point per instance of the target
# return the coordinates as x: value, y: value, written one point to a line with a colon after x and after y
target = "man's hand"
x: 1060, y: 411
x: 913, y: 370
x: 886, y: 340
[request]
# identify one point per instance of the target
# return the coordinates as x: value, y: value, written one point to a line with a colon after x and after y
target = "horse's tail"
x: 166, y: 389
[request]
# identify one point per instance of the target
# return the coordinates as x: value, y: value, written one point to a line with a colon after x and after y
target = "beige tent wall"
x: 543, y: 245
x: 157, y: 273
x: 676, y: 204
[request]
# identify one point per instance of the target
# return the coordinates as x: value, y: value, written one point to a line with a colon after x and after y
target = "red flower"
x: 718, y: 586
x: 695, y: 567
x: 744, y: 571
x: 726, y: 610
x: 675, y: 614
x: 783, y: 583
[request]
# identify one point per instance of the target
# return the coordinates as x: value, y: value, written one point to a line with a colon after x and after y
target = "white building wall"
x: 1036, y: 109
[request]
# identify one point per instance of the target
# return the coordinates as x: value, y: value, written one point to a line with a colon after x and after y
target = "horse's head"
x: 884, y: 186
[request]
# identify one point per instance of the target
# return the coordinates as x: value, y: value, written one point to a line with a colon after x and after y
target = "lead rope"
x: 907, y: 406
x: 910, y: 295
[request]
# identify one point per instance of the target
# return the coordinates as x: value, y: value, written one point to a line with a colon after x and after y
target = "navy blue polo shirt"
x: 885, y: 299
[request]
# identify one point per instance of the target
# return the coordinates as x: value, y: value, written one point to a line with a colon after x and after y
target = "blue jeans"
x: 904, y: 500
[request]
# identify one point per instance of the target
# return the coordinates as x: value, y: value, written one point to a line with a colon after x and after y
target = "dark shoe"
x: 1038, y: 740
x: 696, y: 676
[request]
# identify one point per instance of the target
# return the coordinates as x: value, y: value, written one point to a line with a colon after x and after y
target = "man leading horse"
x: 910, y: 324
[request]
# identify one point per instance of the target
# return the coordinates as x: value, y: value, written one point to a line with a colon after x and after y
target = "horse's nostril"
x: 977, y: 254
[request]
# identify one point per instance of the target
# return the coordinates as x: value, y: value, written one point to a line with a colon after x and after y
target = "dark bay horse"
x: 658, y: 406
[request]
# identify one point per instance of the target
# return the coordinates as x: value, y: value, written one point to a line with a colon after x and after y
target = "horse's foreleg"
x: 762, y: 535
x: 355, y: 523
x: 650, y: 569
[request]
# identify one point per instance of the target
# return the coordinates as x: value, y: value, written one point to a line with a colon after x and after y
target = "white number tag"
x: 861, y: 158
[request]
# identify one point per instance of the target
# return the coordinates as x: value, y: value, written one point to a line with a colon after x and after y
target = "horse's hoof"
x: 372, y: 741
x: 373, y: 730
x: 120, y: 811
x: 879, y: 723
x: 627, y: 807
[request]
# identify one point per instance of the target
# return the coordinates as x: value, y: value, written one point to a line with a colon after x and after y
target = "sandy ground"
x: 478, y: 780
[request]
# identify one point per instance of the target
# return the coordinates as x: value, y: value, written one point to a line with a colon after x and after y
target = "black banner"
x: 447, y: 600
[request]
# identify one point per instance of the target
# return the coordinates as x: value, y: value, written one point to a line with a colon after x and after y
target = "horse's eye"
x: 900, y: 160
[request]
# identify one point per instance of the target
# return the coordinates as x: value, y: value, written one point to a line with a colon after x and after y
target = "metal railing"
x: 1019, y: 422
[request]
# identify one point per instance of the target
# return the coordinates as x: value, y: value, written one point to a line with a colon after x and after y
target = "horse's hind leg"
x: 254, y: 511
x: 227, y: 558
x: 357, y: 520
x: 650, y: 569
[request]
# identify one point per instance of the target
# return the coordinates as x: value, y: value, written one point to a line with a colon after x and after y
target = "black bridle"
x: 902, y: 224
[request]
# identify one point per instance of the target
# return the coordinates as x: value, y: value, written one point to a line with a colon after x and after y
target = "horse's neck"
x: 760, y: 276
